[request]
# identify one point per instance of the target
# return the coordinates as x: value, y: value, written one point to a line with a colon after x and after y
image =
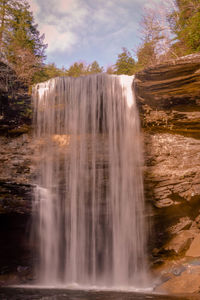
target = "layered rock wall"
x: 169, y: 99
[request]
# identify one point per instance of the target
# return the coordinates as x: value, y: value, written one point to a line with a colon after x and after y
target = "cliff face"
x: 168, y: 96
x: 169, y: 100
x: 16, y: 192
x: 16, y: 174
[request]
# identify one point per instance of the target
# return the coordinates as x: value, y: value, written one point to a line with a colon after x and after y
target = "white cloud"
x: 59, y: 20
x: 58, y: 41
x: 35, y: 8
x: 65, y: 5
x: 88, y: 24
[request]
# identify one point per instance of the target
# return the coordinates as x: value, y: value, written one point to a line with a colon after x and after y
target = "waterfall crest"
x: 89, y: 197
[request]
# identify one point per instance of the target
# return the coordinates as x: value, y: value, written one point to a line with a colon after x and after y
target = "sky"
x: 88, y: 30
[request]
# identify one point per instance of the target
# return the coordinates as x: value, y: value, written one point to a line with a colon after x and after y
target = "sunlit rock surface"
x: 168, y: 96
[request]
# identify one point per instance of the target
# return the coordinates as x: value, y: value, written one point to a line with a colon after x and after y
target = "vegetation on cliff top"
x: 164, y: 34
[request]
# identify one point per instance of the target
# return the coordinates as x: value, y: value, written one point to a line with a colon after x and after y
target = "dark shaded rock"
x: 15, y: 198
x: 15, y: 248
x: 183, y: 224
x: 17, y: 171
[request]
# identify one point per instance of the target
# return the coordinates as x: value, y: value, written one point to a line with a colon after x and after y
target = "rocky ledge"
x: 169, y: 98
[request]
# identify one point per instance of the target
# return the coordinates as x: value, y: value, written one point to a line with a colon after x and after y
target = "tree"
x: 125, y: 63
x: 153, y: 37
x: 21, y: 44
x: 185, y: 24
x: 47, y: 72
x: 94, y: 68
x: 146, y: 55
x: 77, y: 69
x: 110, y: 70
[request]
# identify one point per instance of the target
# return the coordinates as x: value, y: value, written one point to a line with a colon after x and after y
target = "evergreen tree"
x: 94, y: 68
x: 20, y: 41
x: 146, y: 55
x: 110, y: 70
x: 125, y: 63
x: 77, y: 69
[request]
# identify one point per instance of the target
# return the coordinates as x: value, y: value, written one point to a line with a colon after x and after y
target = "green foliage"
x: 125, y: 63
x: 146, y: 55
x: 110, y: 70
x: 47, y: 72
x: 80, y: 68
x: 77, y: 69
x: 94, y: 68
x: 185, y: 24
x: 20, y: 42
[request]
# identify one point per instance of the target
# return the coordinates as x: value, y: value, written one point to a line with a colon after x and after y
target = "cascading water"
x: 89, y: 197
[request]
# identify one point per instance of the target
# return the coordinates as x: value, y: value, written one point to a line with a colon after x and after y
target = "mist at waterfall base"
x: 89, y: 201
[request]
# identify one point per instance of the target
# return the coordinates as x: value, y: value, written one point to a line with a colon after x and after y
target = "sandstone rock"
x: 184, y: 223
x: 181, y: 241
x: 172, y: 167
x: 168, y: 96
x: 164, y: 203
x: 194, y: 249
x: 185, y: 283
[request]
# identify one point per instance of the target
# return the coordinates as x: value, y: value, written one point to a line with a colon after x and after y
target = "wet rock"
x: 185, y: 283
x: 177, y: 271
x: 194, y: 262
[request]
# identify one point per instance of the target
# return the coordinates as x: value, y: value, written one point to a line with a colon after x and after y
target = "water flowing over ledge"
x: 89, y: 197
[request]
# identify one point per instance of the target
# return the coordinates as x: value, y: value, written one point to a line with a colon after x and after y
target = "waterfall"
x: 89, y: 198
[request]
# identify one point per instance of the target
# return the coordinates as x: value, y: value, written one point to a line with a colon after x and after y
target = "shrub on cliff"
x: 15, y: 102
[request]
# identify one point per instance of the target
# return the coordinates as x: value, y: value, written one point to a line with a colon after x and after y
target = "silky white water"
x: 89, y: 198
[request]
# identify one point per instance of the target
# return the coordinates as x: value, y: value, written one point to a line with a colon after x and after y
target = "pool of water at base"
x: 21, y: 293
